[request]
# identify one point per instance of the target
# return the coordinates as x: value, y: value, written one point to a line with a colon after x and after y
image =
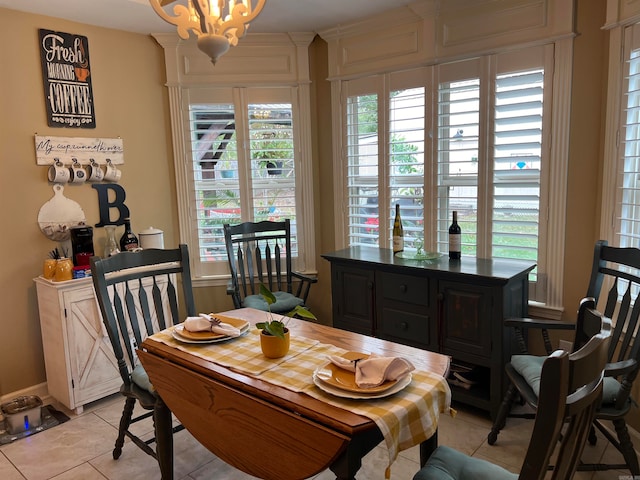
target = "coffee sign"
x: 67, y: 79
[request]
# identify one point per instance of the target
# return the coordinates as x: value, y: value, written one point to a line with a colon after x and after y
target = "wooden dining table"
x: 267, y: 430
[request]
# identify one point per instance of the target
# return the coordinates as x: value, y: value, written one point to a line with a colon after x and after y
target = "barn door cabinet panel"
x: 79, y: 361
x: 456, y: 308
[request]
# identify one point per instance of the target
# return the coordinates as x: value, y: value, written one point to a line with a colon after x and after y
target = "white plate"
x: 177, y: 336
x: 401, y: 384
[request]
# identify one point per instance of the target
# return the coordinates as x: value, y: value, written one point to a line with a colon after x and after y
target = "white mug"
x: 58, y: 173
x: 77, y: 173
x: 112, y: 174
x: 96, y: 174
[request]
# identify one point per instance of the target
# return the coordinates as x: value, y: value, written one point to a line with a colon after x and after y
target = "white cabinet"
x: 78, y: 357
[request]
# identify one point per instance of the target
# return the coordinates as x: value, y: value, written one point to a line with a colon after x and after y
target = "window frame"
x: 216, y: 273
x: 553, y: 178
x: 624, y: 38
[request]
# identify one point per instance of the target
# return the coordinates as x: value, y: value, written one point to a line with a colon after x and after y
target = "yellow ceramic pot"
x: 274, y: 347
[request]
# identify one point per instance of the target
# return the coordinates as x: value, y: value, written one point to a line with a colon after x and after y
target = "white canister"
x: 151, y: 238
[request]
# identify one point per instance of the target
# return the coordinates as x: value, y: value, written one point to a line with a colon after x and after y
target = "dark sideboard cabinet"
x: 452, y: 307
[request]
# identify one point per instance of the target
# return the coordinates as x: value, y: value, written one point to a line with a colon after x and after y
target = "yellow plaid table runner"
x: 242, y: 354
x: 405, y: 419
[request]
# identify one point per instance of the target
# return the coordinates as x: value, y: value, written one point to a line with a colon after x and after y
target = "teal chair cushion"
x: 140, y: 378
x: 285, y: 302
x: 449, y: 464
x: 530, y: 367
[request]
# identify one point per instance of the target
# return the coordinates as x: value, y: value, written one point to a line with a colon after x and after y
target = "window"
x: 243, y: 166
x: 628, y: 186
x: 465, y: 136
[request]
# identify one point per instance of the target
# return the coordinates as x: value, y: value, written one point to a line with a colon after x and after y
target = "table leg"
x: 164, y: 439
x: 427, y: 448
x: 350, y: 461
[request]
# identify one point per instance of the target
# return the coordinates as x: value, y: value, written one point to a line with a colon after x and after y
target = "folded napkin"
x: 374, y: 370
x: 208, y: 323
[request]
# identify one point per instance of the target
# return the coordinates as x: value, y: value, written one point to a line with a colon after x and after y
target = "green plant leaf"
x: 302, y: 312
x: 276, y: 328
x: 267, y: 295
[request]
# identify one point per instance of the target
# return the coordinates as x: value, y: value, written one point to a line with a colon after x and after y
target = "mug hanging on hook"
x: 96, y: 174
x: 58, y: 173
x: 77, y: 173
x: 112, y: 174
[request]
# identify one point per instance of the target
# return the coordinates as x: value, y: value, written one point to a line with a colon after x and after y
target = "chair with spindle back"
x: 614, y: 286
x: 138, y: 296
x: 256, y: 253
x: 570, y: 390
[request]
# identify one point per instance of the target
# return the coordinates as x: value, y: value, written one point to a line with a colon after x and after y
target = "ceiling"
x: 277, y: 15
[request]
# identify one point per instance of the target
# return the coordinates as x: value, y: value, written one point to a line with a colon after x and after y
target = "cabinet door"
x: 94, y: 372
x: 465, y: 320
x: 352, y: 296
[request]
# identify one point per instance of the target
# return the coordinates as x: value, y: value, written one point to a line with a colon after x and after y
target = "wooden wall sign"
x: 66, y: 149
x: 67, y: 79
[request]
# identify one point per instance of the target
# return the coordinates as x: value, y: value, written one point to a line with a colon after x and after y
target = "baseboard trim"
x: 39, y: 390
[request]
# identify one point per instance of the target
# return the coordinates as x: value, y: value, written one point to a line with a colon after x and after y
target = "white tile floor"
x: 80, y: 449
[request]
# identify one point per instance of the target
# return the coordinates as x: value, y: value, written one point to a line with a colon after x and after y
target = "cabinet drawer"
x: 404, y: 288
x: 401, y: 325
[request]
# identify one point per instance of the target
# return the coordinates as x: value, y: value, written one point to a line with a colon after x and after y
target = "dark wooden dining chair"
x: 570, y: 392
x: 614, y: 286
x: 138, y: 295
x: 261, y: 253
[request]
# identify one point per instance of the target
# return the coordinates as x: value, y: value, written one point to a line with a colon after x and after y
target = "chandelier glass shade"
x: 218, y: 24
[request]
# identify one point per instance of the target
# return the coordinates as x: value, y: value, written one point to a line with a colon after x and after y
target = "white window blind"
x: 457, y: 147
x: 272, y: 163
x: 406, y: 162
x: 362, y: 169
x: 243, y: 167
x: 215, y: 171
x: 517, y: 164
x: 628, y: 204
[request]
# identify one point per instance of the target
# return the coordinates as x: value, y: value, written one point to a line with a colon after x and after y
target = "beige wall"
x: 127, y: 73
x: 131, y: 102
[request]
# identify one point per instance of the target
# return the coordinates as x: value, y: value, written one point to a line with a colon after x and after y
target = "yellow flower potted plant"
x: 274, y: 335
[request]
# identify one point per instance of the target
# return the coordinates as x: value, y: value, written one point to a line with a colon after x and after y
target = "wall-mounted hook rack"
x: 66, y: 149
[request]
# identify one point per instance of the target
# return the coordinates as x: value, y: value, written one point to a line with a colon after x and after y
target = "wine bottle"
x: 128, y: 240
x: 398, y: 232
x: 455, y: 238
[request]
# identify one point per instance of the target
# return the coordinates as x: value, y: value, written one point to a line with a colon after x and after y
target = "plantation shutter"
x: 406, y: 163
x: 517, y: 163
x: 628, y: 195
x: 458, y: 130
x: 273, y: 179
x: 242, y: 145
x: 215, y: 172
x: 362, y: 166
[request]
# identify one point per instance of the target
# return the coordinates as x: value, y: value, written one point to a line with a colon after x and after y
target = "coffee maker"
x: 82, y: 245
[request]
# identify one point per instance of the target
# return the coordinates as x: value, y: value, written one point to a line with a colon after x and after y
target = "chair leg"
x: 626, y: 446
x: 164, y: 439
x: 125, y: 421
x: 503, y: 412
x: 593, y: 439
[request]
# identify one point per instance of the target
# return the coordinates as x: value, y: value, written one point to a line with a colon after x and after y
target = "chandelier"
x: 218, y: 24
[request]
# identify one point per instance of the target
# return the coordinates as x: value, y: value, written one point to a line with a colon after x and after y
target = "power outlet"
x: 565, y: 345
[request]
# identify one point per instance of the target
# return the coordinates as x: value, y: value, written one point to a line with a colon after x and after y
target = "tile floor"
x: 80, y: 449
